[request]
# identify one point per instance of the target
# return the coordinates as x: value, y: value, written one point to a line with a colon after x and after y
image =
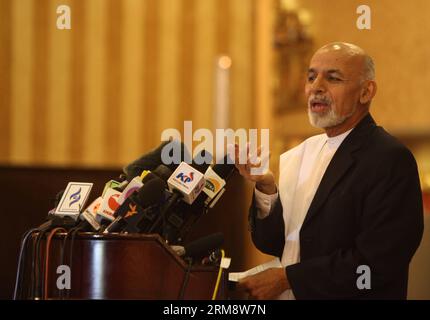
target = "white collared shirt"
x: 313, y: 166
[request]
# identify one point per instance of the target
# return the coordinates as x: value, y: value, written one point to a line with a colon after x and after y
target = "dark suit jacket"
x: 367, y: 211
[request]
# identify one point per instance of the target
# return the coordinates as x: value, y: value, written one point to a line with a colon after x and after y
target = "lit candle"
x: 222, y: 83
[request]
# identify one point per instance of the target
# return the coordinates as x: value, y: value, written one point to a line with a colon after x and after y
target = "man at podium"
x: 346, y: 216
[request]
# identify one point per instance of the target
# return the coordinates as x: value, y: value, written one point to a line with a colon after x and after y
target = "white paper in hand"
x: 236, y: 276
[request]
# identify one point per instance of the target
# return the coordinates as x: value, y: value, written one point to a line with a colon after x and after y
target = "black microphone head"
x: 151, y: 193
x: 205, y: 245
x: 152, y: 159
x: 224, y: 169
x: 163, y: 172
x: 202, y: 160
x: 122, y: 177
x: 148, y: 176
x: 58, y: 197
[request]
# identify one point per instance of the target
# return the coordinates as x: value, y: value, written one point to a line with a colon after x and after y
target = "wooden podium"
x: 119, y: 266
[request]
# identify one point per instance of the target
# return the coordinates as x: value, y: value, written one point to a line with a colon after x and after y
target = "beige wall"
x: 101, y: 93
x: 398, y: 42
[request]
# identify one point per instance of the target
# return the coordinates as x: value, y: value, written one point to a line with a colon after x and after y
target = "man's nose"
x: 318, y: 85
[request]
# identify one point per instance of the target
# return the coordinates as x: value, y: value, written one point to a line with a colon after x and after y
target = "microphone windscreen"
x: 148, y: 176
x: 205, y: 245
x: 151, y: 193
x: 152, y: 159
x: 163, y: 172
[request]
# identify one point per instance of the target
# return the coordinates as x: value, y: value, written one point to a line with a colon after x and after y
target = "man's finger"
x: 239, y: 286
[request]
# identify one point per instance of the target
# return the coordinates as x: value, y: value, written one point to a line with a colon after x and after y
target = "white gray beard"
x: 327, y: 120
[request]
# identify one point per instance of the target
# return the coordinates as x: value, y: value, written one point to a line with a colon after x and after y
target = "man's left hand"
x: 265, y: 285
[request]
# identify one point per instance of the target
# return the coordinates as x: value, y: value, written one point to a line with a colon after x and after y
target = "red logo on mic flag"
x: 112, y: 202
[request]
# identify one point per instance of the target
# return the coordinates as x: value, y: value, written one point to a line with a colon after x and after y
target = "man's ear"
x: 368, y: 92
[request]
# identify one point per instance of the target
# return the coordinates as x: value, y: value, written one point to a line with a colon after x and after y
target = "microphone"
x: 161, y: 172
x: 201, y: 247
x: 139, y: 209
x: 112, y: 184
x: 90, y: 214
x: 188, y: 180
x: 215, y: 181
x: 185, y: 183
x: 121, y: 186
x: 109, y: 204
x: 134, y: 185
x: 213, y: 259
x: 69, y: 204
x: 216, y: 178
x: 151, y: 160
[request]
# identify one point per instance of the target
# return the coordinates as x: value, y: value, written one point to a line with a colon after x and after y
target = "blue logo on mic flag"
x: 75, y: 197
x: 184, y: 178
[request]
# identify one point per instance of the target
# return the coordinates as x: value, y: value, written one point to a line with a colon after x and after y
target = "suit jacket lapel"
x: 342, y: 160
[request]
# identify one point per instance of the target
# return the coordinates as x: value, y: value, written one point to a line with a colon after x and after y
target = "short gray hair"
x: 369, y: 68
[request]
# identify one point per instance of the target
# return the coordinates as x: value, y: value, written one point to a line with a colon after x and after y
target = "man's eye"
x: 311, y: 78
x: 335, y: 79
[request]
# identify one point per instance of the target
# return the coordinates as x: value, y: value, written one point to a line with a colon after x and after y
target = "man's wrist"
x: 266, y: 188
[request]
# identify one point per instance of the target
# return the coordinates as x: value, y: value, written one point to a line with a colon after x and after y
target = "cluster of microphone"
x: 154, y: 197
x: 150, y: 197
